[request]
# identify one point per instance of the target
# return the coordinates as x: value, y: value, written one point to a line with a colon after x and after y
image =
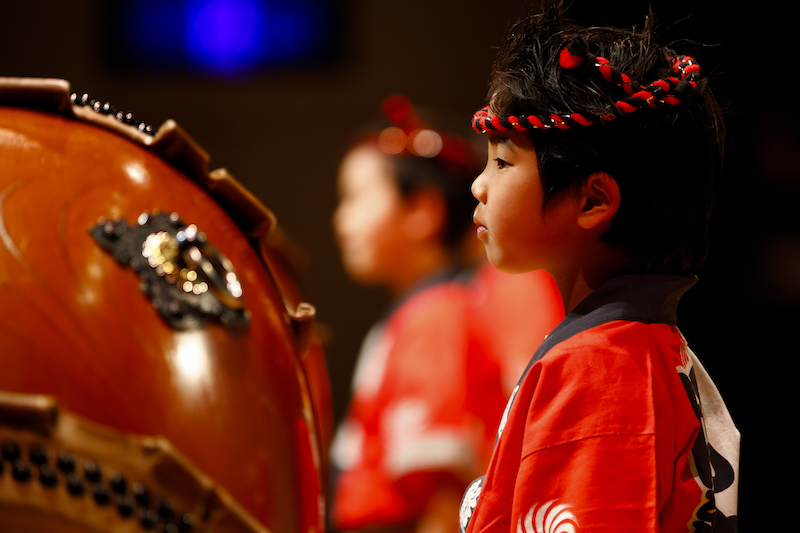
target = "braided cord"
x: 669, y: 91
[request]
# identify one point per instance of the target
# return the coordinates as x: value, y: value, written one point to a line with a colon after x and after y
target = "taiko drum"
x: 146, y: 333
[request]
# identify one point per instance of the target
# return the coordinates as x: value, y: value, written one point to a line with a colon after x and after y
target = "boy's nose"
x: 478, y: 189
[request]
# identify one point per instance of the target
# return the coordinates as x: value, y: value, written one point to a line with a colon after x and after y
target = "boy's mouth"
x: 481, y: 228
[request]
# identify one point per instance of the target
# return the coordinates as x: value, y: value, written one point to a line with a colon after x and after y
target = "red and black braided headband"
x: 669, y: 90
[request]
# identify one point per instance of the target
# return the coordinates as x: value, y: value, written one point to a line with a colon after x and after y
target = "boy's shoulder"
x: 627, y: 322
x: 619, y: 347
x: 621, y: 322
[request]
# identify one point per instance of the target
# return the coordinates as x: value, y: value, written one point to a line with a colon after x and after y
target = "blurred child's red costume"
x: 427, y: 395
x: 598, y: 435
x: 408, y: 412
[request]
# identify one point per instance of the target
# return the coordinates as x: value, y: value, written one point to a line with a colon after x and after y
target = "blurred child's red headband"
x: 410, y: 135
x: 669, y: 90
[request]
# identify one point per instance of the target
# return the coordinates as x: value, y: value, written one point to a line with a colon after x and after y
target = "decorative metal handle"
x: 188, y: 280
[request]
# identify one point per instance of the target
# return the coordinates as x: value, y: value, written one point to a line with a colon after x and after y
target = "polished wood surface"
x: 75, y: 325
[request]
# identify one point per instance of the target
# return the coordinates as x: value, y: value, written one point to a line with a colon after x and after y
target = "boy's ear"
x: 424, y: 215
x: 599, y: 198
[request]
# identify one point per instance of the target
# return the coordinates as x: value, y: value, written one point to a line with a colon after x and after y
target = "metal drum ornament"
x: 157, y: 365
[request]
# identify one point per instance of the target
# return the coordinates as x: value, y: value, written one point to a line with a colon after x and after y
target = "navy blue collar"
x: 648, y: 298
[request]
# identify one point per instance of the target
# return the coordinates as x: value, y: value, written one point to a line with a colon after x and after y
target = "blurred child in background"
x: 427, y: 392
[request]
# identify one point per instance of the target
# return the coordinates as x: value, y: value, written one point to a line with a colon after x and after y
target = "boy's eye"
x: 500, y: 163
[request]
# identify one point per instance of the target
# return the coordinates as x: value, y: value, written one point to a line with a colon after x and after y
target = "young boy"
x: 604, y: 150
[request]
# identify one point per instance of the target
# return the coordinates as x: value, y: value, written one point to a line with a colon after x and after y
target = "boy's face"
x: 368, y: 219
x: 517, y: 234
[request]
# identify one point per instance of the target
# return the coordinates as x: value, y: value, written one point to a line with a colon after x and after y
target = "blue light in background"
x: 226, y: 36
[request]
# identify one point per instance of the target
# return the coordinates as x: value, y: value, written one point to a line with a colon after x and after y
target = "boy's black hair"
x: 666, y: 159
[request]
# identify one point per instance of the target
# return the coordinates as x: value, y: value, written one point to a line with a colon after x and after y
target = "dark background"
x: 282, y: 130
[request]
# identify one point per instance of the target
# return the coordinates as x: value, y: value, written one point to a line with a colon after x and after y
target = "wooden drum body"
x: 156, y: 384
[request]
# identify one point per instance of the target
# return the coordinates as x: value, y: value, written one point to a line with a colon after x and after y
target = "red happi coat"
x: 615, y: 426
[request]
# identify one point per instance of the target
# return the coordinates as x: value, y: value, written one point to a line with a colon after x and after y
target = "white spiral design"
x: 549, y: 517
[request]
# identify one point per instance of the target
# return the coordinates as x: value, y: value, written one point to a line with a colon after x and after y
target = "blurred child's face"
x: 368, y: 219
x: 517, y: 234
